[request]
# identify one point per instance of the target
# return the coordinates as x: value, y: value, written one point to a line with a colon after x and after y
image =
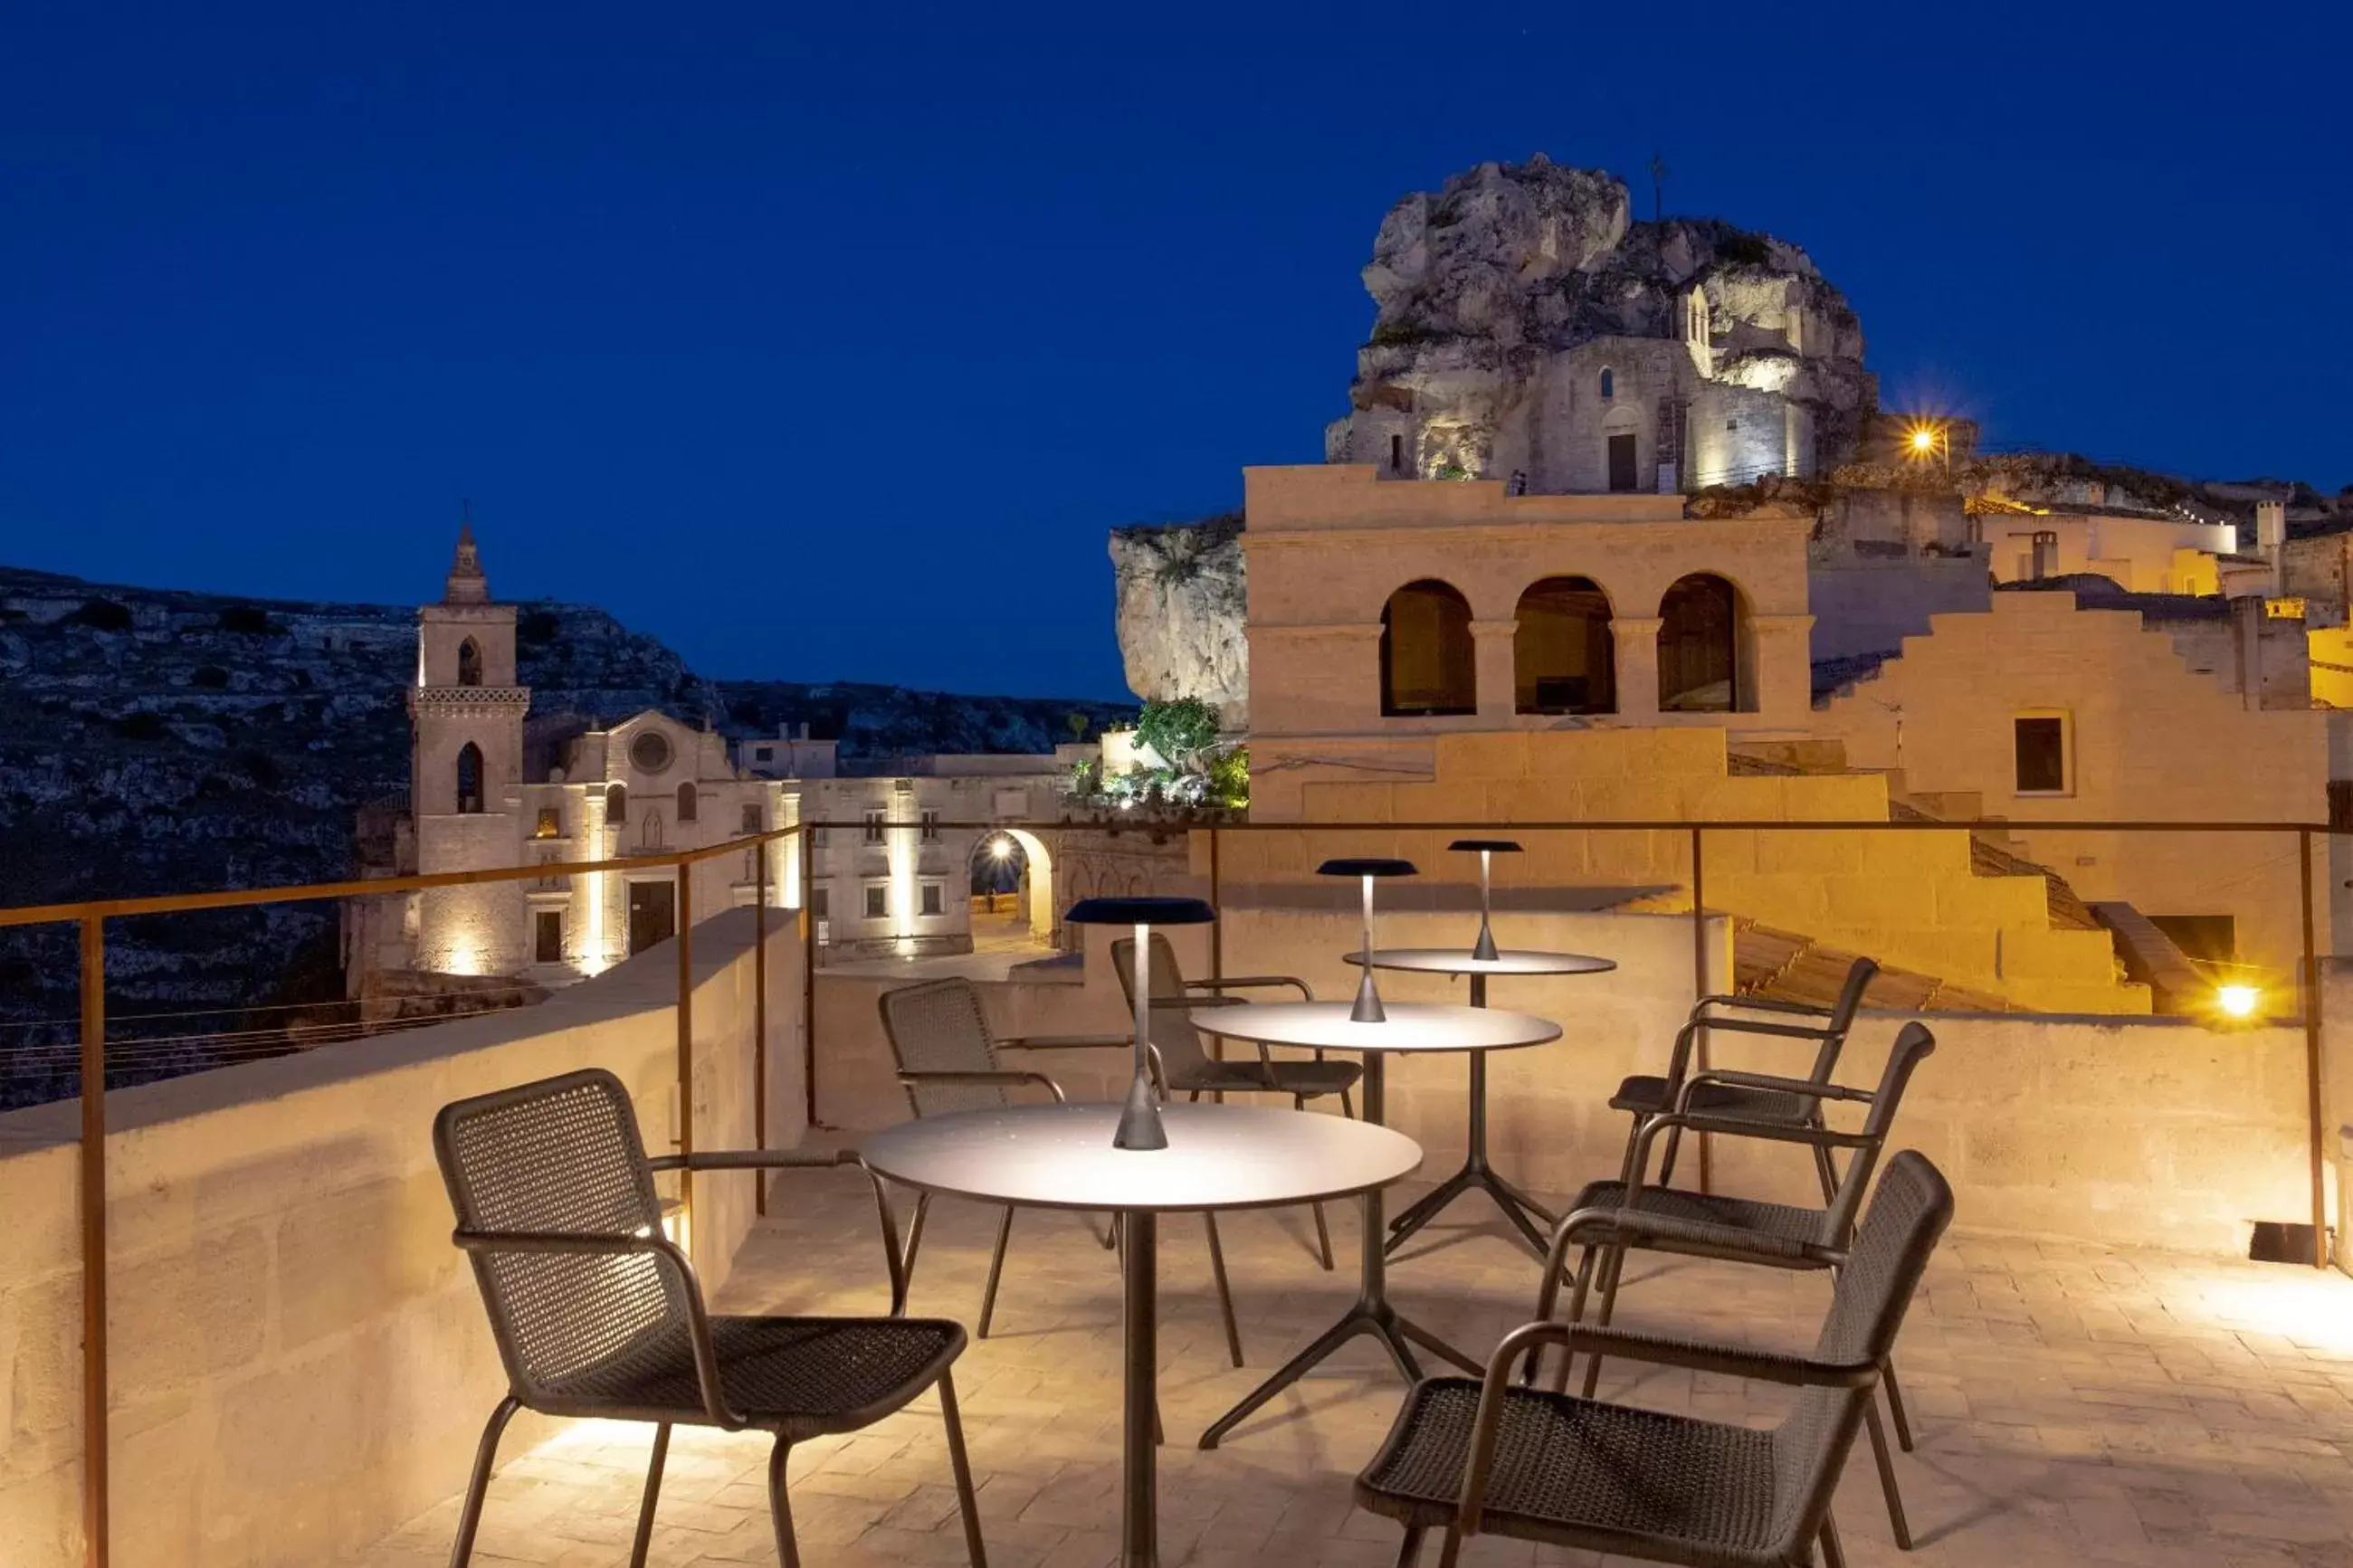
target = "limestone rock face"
x: 1181, y: 611
x: 1500, y: 298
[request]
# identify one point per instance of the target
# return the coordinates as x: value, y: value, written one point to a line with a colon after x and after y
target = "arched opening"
x: 687, y: 808
x: 1608, y: 383
x: 469, y: 778
x: 1012, y: 887
x: 470, y: 663
x: 1564, y: 659
x: 617, y: 804
x: 649, y: 828
x: 1700, y: 633
x: 1428, y: 663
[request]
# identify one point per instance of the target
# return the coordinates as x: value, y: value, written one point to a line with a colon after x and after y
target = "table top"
x: 1411, y: 1027
x: 1511, y: 960
x: 1219, y: 1157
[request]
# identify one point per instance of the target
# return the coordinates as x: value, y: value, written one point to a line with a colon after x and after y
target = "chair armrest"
x: 797, y: 1159
x: 1629, y: 1225
x: 1066, y: 1042
x: 654, y: 1244
x: 1733, y: 1361
x: 1766, y: 1004
x: 1252, y: 981
x: 1759, y: 1026
x: 1808, y: 1087
x: 1000, y: 1078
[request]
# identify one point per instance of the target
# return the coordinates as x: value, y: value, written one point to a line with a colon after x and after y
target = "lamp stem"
x: 1139, y: 1118
x: 1484, y: 949
x: 1368, y: 1009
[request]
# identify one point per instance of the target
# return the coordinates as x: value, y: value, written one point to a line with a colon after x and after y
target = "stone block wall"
x: 1906, y: 897
x: 300, y: 1359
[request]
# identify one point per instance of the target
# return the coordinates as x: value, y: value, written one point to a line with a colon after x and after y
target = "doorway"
x: 547, y: 945
x: 1622, y: 462
x: 653, y: 914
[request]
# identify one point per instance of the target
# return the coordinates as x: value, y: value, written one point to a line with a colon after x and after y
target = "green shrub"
x: 1230, y: 778
x: 250, y: 620
x: 1178, y: 731
x: 211, y: 677
x: 102, y: 615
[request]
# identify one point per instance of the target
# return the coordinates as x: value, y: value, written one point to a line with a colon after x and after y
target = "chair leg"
x: 780, y: 1508
x: 1347, y: 1106
x: 1225, y: 1293
x: 1667, y: 1161
x: 1322, y: 1238
x: 653, y: 1490
x: 1833, y: 1555
x: 1896, y: 1404
x: 1886, y: 1463
x: 486, y: 1454
x: 914, y: 1240
x: 995, y: 1268
x: 1410, y: 1549
x: 1613, y: 1265
x: 965, y: 1502
x: 1576, y: 1315
x: 1450, y: 1549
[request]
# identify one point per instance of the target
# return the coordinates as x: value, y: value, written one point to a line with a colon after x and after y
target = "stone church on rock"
x: 1529, y: 331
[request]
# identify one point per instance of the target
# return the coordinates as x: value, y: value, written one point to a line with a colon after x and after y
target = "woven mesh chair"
x: 948, y: 1062
x: 597, y: 1313
x: 1609, y: 1220
x: 1469, y: 1456
x: 1645, y: 1094
x: 1187, y: 1069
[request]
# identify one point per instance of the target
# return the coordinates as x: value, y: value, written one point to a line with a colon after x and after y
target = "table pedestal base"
x: 1140, y: 1413
x: 1371, y: 1315
x: 1522, y: 1210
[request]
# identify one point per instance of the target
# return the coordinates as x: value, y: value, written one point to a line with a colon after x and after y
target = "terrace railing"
x: 91, y: 917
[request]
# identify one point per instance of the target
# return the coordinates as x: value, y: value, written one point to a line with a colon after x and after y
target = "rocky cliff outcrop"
x: 154, y: 741
x: 1181, y: 611
x: 1481, y: 285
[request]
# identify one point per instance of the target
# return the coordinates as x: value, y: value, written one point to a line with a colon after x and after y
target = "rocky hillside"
x: 154, y: 741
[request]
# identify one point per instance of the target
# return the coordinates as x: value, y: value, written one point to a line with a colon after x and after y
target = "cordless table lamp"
x: 1139, y: 1118
x: 1368, y: 1009
x: 1485, y: 948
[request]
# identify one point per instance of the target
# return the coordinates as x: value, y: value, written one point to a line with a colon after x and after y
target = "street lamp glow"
x: 2237, y: 1001
x: 1002, y: 849
x: 1923, y: 440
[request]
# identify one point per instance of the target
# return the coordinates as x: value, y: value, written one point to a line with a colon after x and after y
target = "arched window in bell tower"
x: 617, y: 803
x: 469, y: 778
x: 470, y: 663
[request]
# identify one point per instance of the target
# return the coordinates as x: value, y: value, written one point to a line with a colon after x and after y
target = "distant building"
x: 892, y: 876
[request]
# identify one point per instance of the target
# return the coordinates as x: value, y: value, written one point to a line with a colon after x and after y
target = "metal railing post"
x: 686, y: 1041
x: 808, y: 974
x: 2313, y: 1077
x: 760, y: 1023
x: 1700, y: 989
x: 94, y: 1478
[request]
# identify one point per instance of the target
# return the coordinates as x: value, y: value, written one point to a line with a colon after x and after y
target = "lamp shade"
x: 1368, y: 869
x: 1141, y: 912
x: 1492, y: 846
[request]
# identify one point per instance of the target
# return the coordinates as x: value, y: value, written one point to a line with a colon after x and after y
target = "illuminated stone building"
x: 487, y: 791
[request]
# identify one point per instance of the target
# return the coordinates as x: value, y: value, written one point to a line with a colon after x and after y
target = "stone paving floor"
x: 2074, y: 1405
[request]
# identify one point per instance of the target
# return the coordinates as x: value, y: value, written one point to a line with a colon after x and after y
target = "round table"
x: 1412, y: 1028
x: 1219, y: 1157
x: 1517, y: 1206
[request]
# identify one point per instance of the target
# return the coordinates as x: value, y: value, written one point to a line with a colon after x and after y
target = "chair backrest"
x: 1909, y: 1214
x: 1859, y: 976
x: 938, y: 1026
x: 1172, y: 1033
x: 1913, y: 1045
x: 561, y: 1156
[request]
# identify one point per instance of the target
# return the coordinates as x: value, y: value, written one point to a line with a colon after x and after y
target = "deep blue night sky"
x: 830, y: 351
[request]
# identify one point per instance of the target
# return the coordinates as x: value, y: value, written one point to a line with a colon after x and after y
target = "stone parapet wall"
x: 299, y: 1358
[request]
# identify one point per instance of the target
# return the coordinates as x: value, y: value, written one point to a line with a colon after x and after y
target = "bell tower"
x: 466, y: 713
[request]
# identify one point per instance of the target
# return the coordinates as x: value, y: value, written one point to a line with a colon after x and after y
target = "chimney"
x: 2271, y: 539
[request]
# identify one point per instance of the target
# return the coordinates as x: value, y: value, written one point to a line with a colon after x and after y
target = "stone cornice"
x: 469, y: 699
